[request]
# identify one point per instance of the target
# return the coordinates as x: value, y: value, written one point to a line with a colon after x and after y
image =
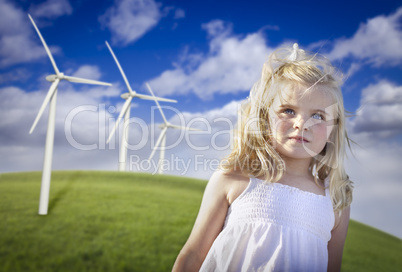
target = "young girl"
x: 281, y: 199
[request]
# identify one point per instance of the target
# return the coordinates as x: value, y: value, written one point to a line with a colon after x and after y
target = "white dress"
x: 273, y: 227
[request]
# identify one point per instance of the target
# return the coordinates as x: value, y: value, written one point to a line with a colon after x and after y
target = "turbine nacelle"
x: 125, y: 111
x: 56, y: 78
x: 162, y: 137
x: 125, y: 96
x: 134, y: 94
x: 52, y: 78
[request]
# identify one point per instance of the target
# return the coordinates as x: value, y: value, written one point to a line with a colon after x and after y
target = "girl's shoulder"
x: 233, y: 183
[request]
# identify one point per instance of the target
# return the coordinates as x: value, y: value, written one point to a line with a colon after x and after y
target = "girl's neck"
x: 297, y: 167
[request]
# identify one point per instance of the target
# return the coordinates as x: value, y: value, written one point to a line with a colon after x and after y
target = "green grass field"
x: 110, y: 221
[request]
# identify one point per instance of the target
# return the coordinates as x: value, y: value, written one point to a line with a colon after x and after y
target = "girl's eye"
x: 289, y: 111
x: 318, y: 116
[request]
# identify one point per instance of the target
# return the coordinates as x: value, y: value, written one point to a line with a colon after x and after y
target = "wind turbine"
x: 126, y: 112
x: 162, y: 137
x: 51, y: 100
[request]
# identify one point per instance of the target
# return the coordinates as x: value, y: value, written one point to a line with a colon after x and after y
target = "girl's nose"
x: 300, y: 123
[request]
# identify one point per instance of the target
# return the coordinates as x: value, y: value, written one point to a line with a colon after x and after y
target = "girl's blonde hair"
x: 254, y: 153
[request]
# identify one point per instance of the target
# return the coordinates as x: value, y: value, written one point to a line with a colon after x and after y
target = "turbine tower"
x: 51, y: 100
x: 162, y: 137
x: 126, y: 112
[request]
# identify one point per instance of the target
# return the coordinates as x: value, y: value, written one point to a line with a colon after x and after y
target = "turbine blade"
x: 149, y: 97
x: 121, y: 69
x: 163, y: 133
x: 49, y: 95
x: 45, y: 45
x: 157, y: 103
x: 126, y: 106
x: 88, y: 81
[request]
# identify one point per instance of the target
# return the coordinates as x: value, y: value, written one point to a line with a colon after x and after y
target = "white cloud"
x: 217, y: 29
x: 375, y: 166
x: 232, y: 64
x: 51, y: 9
x: 354, y: 67
x: 380, y: 110
x: 19, y: 75
x: 11, y: 18
x: 129, y: 20
x: 88, y: 71
x: 378, y: 41
x: 18, y: 42
x: 376, y: 173
x: 383, y: 92
x: 15, y: 43
x: 179, y: 14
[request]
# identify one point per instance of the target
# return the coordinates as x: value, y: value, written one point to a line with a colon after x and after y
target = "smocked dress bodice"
x: 273, y: 227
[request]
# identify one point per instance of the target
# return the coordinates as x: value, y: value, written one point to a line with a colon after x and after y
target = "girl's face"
x: 301, y: 124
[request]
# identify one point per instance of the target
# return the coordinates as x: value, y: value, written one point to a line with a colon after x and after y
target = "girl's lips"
x: 299, y: 139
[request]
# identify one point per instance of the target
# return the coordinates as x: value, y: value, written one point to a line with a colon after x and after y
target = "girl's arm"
x: 338, y: 237
x: 207, y: 226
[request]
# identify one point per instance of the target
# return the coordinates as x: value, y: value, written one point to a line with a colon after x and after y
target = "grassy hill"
x: 109, y: 221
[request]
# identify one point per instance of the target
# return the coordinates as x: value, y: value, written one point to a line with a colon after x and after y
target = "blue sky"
x: 206, y: 55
